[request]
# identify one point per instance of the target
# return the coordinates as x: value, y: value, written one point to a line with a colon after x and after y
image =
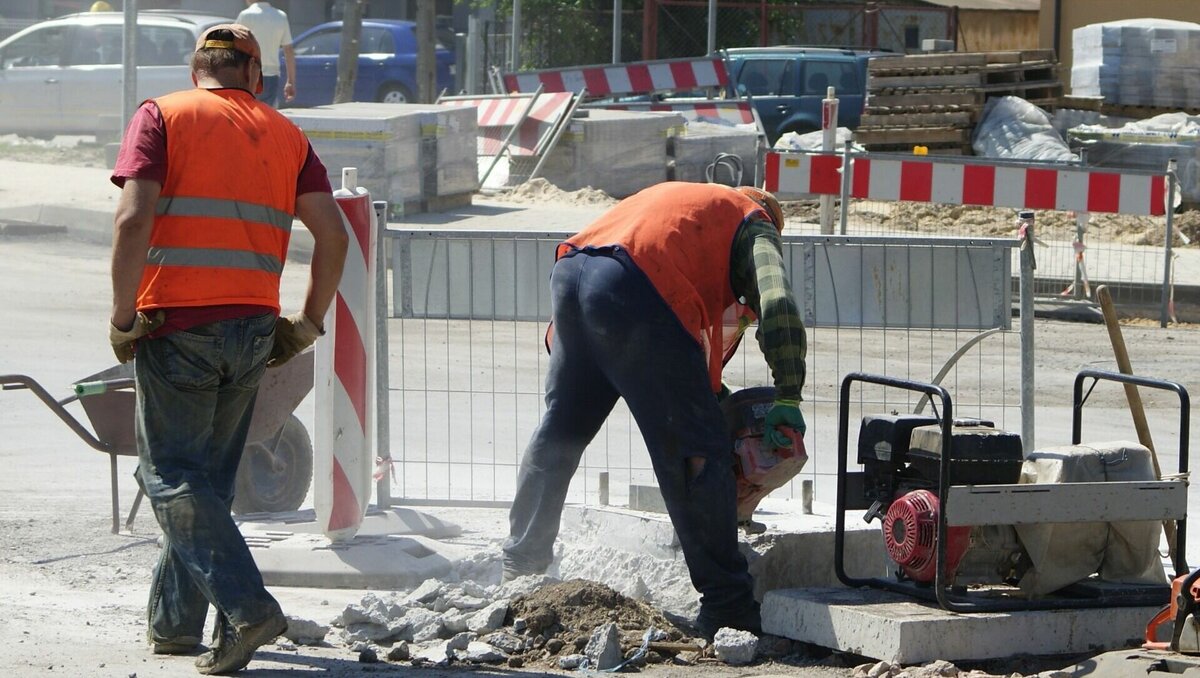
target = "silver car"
x: 64, y: 76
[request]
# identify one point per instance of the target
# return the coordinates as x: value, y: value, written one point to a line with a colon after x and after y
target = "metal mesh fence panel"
x: 1075, y: 252
x: 468, y: 362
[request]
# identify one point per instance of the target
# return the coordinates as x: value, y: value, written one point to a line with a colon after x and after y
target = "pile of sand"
x: 540, y: 190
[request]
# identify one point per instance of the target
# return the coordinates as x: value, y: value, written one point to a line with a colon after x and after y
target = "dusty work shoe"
x: 233, y: 654
x: 180, y: 645
x: 707, y: 624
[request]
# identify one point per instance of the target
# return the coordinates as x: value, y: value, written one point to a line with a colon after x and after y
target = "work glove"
x: 293, y: 334
x: 783, y: 414
x: 124, y: 341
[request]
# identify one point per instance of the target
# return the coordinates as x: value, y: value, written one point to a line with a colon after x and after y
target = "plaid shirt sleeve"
x: 757, y: 274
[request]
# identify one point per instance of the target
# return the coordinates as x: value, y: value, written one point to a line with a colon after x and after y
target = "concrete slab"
x: 394, y: 549
x: 394, y: 521
x: 891, y: 627
x: 385, y: 562
x: 796, y: 550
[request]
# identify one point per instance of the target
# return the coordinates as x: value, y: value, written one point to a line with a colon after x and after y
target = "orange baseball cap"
x: 232, y: 36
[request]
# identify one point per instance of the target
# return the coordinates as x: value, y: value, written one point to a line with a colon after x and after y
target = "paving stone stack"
x: 1138, y: 62
x: 418, y: 157
x: 935, y: 100
x: 701, y: 143
x: 618, y: 152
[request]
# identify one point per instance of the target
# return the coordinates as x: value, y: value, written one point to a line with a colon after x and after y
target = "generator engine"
x: 901, y: 458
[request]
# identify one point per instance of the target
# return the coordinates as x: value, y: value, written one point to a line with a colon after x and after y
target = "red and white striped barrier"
x: 792, y: 175
x: 344, y: 454
x: 735, y: 111
x: 641, y: 77
x: 495, y: 121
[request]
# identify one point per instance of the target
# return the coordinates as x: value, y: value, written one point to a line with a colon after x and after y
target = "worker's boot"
x: 181, y: 645
x: 709, y: 622
x: 234, y: 649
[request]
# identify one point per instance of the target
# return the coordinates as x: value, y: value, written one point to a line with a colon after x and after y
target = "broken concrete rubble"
x: 604, y: 648
x: 735, y: 647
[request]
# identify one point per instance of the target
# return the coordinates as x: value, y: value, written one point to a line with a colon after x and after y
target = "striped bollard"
x: 344, y: 454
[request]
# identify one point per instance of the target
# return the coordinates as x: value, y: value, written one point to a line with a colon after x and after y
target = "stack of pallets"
x: 934, y: 100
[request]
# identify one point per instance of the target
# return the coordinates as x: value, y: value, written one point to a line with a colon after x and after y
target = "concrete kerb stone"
x: 895, y: 628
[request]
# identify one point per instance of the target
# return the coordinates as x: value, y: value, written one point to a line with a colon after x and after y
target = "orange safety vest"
x: 681, y: 235
x: 224, y: 216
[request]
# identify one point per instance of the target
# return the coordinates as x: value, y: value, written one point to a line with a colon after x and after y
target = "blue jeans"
x: 195, y: 395
x: 614, y: 337
x: 270, y: 93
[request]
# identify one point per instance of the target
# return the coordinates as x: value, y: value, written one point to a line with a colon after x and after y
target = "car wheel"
x: 392, y: 93
x: 275, y: 480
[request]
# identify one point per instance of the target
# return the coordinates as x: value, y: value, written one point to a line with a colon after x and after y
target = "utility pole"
x: 347, y: 68
x: 426, y: 57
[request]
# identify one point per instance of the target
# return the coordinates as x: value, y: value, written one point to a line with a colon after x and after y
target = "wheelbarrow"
x: 277, y: 463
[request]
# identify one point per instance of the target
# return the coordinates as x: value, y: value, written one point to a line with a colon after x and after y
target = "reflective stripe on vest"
x: 181, y: 206
x: 213, y: 258
x: 680, y: 235
x: 224, y: 216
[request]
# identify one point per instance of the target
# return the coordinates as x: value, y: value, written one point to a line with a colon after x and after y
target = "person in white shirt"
x: 270, y: 26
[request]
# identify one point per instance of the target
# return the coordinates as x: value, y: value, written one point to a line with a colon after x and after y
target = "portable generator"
x: 971, y: 521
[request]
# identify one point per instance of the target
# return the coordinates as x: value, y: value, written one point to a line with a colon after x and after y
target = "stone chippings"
x: 535, y: 620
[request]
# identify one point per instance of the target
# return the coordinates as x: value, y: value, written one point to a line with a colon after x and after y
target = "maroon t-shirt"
x: 143, y: 155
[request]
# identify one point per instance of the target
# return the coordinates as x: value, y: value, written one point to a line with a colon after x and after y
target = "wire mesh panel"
x: 468, y: 359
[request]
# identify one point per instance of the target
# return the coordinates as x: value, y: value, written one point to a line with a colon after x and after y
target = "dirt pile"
x: 558, y: 619
x: 540, y: 191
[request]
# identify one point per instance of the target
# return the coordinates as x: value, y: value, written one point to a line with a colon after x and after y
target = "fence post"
x: 829, y: 116
x: 1028, y: 265
x: 1081, y: 220
x: 847, y: 171
x: 383, y: 454
x: 1164, y: 313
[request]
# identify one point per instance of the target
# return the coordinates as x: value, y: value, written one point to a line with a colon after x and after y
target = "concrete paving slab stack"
x: 618, y: 152
x: 447, y: 152
x: 418, y: 157
x: 700, y: 143
x: 1138, y: 62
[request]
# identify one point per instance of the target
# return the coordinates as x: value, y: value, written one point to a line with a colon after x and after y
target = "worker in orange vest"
x: 200, y: 238
x: 648, y: 303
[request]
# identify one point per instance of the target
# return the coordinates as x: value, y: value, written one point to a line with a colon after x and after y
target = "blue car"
x: 387, y: 63
x: 787, y: 84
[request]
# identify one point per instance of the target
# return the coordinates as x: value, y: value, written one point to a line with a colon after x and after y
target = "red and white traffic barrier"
x: 497, y: 115
x: 890, y: 178
x: 641, y: 77
x: 344, y: 454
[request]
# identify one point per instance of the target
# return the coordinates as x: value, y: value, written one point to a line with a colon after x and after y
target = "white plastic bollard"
x: 344, y: 449
x: 829, y: 118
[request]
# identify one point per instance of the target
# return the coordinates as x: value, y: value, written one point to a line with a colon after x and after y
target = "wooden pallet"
x: 926, y: 119
x: 913, y: 136
x: 959, y: 59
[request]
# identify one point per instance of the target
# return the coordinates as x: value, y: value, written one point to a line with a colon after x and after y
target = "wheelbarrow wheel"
x: 276, y: 480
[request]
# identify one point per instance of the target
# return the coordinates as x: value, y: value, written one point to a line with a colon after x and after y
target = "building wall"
x: 991, y: 31
x: 1076, y: 13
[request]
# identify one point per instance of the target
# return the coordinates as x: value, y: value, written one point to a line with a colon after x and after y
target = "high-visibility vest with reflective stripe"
x: 224, y: 215
x: 681, y: 236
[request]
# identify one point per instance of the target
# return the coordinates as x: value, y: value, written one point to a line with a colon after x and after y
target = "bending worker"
x: 210, y: 182
x: 648, y: 303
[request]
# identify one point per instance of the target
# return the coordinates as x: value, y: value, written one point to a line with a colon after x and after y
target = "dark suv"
x: 787, y: 84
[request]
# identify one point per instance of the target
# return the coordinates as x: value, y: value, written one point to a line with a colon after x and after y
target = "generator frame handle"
x: 839, y: 537
x: 1185, y: 407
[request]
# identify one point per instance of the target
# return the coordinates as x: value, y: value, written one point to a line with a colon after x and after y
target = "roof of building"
x: 1009, y: 5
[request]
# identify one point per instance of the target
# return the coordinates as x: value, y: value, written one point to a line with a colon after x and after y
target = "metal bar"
x: 1031, y: 504
x: 1028, y: 393
x: 563, y: 122
x: 847, y: 173
x: 1165, y: 312
x: 616, y: 36
x: 383, y: 450
x: 511, y: 133
x: 1185, y: 409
